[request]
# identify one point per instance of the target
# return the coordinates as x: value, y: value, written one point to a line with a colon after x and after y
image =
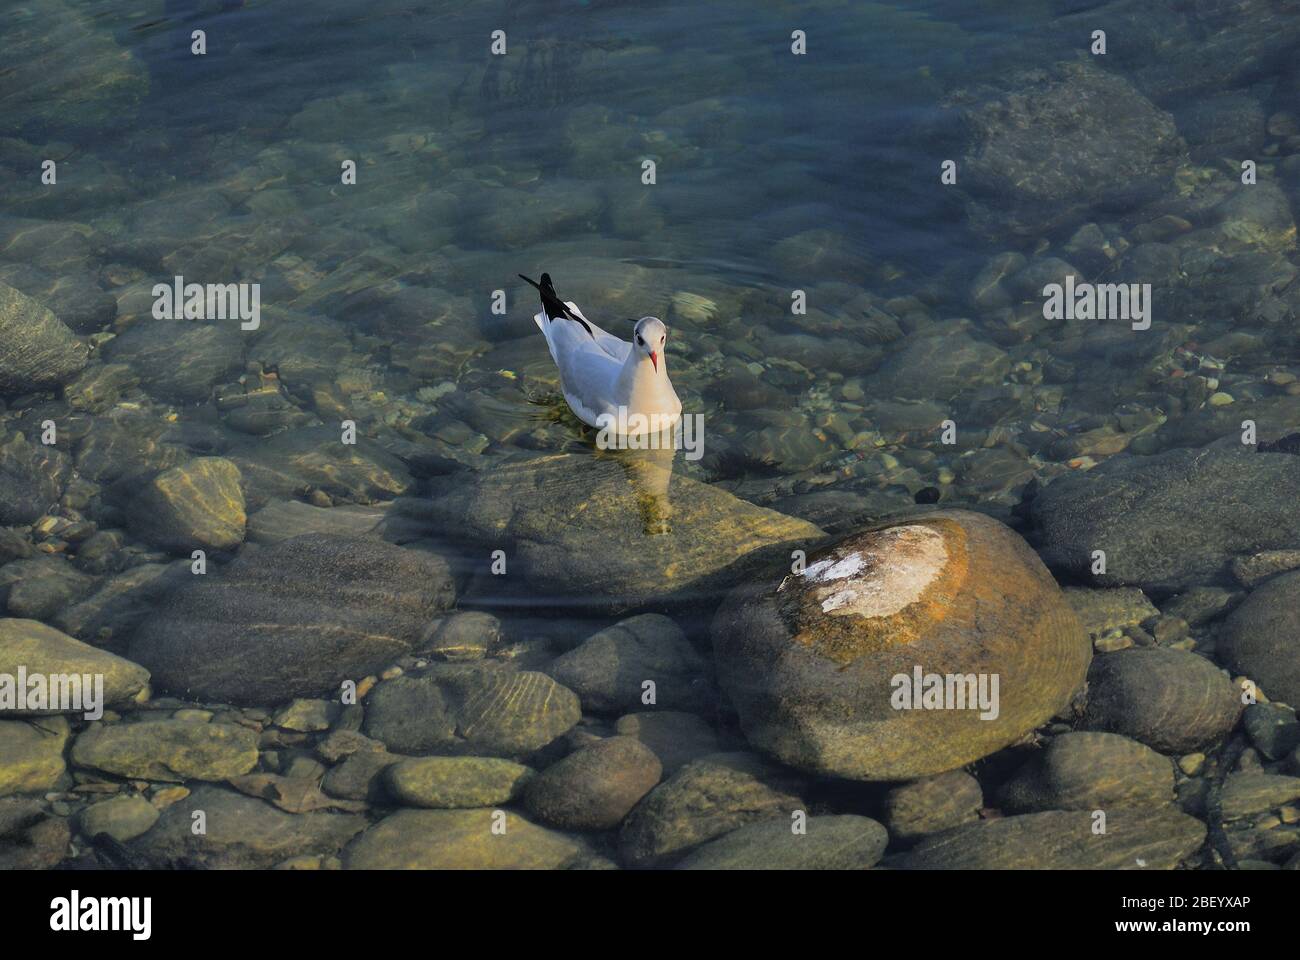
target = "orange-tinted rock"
x: 822, y: 662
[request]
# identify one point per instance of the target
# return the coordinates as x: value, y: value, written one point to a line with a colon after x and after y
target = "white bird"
x: 605, y: 377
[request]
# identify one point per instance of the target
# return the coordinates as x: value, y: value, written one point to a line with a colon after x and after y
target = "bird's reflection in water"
x: 649, y: 472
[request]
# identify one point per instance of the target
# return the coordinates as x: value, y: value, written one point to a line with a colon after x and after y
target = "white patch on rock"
x: 884, y: 576
x: 824, y: 570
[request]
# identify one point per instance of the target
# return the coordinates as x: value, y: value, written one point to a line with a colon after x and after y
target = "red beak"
x: 654, y: 358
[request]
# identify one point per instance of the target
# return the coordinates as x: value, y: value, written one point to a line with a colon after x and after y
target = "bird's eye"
x: 639, y: 341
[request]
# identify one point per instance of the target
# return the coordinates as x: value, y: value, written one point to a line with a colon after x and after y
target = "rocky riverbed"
x: 360, y: 593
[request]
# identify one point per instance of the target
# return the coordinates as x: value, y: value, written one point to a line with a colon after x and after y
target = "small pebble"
x: 1192, y: 763
x: 1112, y: 642
x: 194, y: 716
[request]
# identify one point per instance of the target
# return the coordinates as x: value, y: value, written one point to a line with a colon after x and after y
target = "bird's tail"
x: 553, y: 306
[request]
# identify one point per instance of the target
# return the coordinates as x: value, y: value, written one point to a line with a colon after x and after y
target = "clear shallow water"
x: 774, y: 173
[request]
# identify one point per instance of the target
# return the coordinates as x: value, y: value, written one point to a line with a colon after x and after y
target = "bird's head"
x: 649, y: 337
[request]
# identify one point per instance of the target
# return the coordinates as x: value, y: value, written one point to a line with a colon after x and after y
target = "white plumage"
x: 603, y: 376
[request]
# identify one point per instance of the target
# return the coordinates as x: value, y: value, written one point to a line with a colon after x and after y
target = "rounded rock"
x: 1171, y: 700
x: 1258, y: 637
x: 1090, y: 771
x: 122, y: 818
x: 454, y: 782
x: 819, y: 664
x: 37, y: 350
x: 595, y: 787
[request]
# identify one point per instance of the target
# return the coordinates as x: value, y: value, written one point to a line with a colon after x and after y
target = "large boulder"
x: 835, y: 668
x: 36, y: 349
x: 1040, y: 156
x: 1171, y: 520
x: 293, y: 619
x: 586, y: 529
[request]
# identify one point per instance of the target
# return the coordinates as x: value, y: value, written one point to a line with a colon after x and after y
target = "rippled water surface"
x: 374, y: 486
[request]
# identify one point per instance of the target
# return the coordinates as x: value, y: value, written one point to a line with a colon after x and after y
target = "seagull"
x: 605, y: 377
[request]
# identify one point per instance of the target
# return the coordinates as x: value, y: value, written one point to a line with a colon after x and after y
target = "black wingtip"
x: 553, y: 306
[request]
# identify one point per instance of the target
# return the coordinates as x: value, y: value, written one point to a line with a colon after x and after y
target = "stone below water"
x: 703, y: 800
x: 676, y: 738
x: 66, y: 69
x: 44, y: 650
x: 940, y: 363
x: 179, y: 361
x: 1090, y: 771
x: 1041, y: 156
x: 31, y: 480
x: 293, y: 619
x: 285, y: 519
x: 1064, y: 840
x: 812, y: 660
x: 1259, y: 638
x: 31, y: 838
x: 454, y: 782
x: 1150, y: 516
x: 313, y: 458
x: 194, y: 506
x: 31, y: 754
x: 594, y: 787
x: 458, y: 840
x: 467, y: 635
x: 609, y: 668
x: 167, y: 750
x: 1171, y: 700
x: 122, y: 818
x: 40, y: 588
x: 1103, y: 611
x: 486, y: 709
x: 36, y: 349
x: 1245, y: 794
x: 829, y: 843
x: 242, y: 833
x: 932, y: 805
x: 578, y: 527
x: 76, y: 299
